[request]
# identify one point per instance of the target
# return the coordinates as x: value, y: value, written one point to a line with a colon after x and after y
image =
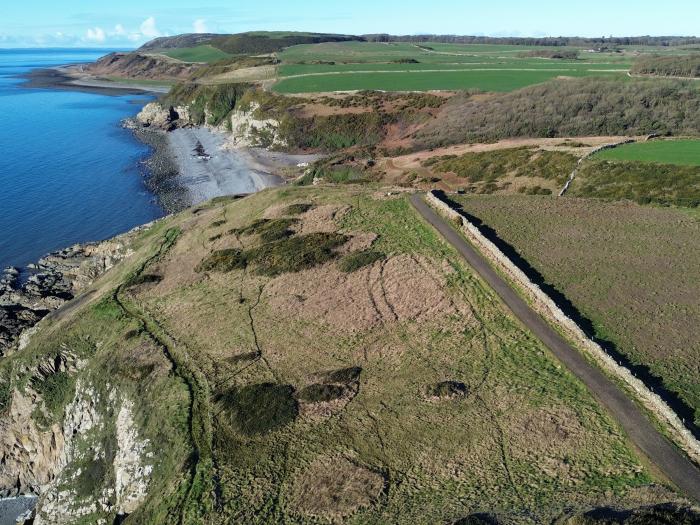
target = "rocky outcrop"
x: 248, y: 129
x: 51, y: 282
x: 156, y: 116
x: 29, y: 456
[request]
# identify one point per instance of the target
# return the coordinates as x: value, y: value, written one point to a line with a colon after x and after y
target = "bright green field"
x: 679, y: 152
x: 204, y: 53
x: 350, y: 66
x: 500, y: 80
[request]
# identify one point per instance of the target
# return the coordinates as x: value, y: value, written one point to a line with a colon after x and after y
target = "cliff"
x: 302, y: 355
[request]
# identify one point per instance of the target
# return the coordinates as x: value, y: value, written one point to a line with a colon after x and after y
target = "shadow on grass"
x: 642, y: 372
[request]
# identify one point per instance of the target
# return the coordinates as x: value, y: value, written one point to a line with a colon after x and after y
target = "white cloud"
x: 149, y: 29
x: 119, y: 30
x: 200, y: 26
x: 97, y: 35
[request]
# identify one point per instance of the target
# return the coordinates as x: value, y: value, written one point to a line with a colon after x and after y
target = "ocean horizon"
x: 71, y: 173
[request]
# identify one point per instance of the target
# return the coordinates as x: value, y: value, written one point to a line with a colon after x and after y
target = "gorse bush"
x: 569, y: 108
x: 641, y: 182
x: 668, y: 66
x: 269, y: 229
x: 258, y: 409
x: 490, y: 166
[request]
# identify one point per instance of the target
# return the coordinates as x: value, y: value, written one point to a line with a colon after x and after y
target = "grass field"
x: 678, y: 152
x: 407, y: 67
x: 204, y: 53
x: 489, y: 80
x: 383, y: 390
x: 631, y: 270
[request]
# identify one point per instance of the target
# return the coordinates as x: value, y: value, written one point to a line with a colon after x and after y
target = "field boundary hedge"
x: 545, y: 306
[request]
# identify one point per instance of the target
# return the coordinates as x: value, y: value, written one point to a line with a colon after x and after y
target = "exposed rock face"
x: 88, y: 427
x: 131, y: 474
x: 153, y: 115
x: 249, y: 130
x: 54, y: 280
x: 29, y: 457
x: 141, y: 66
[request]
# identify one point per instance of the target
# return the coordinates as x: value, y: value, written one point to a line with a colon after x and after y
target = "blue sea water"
x: 68, y: 172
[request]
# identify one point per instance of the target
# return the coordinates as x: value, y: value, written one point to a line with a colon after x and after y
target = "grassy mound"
x: 259, y: 409
x: 357, y: 260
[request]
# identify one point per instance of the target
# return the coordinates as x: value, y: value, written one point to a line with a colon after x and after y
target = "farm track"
x: 642, y: 432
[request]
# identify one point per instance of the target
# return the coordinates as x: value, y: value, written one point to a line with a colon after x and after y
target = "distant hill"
x: 246, y: 43
x: 179, y: 41
x: 270, y: 42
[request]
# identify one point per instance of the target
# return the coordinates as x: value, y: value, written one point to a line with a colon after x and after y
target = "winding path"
x: 662, y: 453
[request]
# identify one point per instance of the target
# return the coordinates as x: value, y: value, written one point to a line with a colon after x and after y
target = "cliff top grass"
x: 236, y: 377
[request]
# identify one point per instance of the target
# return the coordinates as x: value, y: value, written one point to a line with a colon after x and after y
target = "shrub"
x: 640, y: 182
x: 56, y: 390
x: 568, y: 108
x: 320, y: 393
x: 344, y: 375
x: 297, y: 209
x: 269, y: 230
x: 223, y: 261
x: 447, y: 390
x: 258, y: 409
x: 296, y: 253
x: 357, y: 260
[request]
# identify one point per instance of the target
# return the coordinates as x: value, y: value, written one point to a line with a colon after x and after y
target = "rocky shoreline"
x: 27, y: 297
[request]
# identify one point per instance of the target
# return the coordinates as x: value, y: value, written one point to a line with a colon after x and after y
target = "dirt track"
x: 673, y: 463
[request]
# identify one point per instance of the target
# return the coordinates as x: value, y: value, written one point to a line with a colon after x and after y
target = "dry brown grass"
x: 334, y: 487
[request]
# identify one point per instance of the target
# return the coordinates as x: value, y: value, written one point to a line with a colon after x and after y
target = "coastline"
x: 72, y: 79
x: 186, y: 167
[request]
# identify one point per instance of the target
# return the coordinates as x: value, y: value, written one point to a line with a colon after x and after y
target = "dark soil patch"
x: 259, y: 409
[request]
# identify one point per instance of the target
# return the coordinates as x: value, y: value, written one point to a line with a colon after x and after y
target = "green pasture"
x: 678, y: 152
x: 484, y: 80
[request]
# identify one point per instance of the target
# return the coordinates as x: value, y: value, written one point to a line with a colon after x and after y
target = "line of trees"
x: 664, y: 41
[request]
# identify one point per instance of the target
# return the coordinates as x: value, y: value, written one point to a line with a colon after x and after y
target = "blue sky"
x: 129, y: 23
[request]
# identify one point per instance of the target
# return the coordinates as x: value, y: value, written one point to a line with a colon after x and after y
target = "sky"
x: 130, y: 23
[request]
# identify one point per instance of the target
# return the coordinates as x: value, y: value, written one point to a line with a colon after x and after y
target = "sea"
x: 69, y: 172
